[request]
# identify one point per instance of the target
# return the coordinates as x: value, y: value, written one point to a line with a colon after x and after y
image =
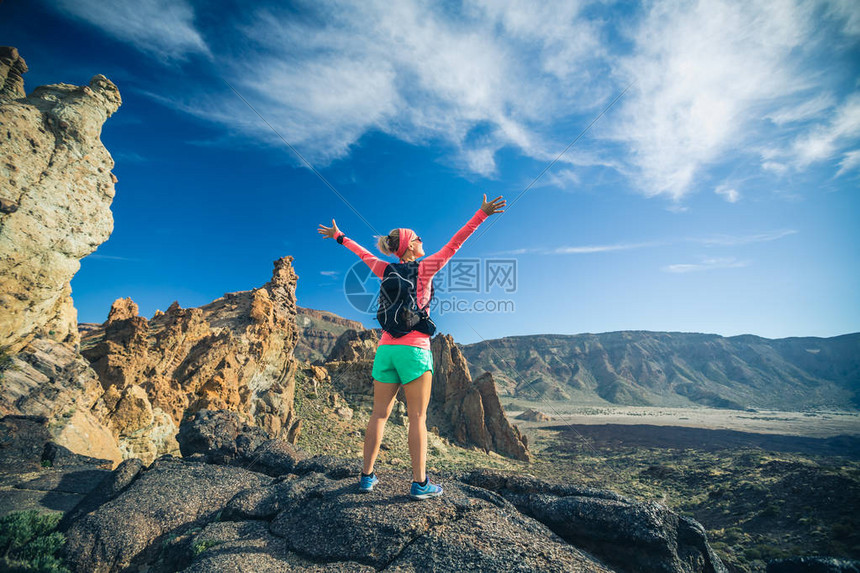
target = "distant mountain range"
x: 672, y: 369
x: 675, y: 369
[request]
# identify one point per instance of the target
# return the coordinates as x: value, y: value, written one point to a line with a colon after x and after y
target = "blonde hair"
x: 388, y: 244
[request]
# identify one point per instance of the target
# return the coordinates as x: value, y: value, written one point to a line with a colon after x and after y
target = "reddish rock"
x: 121, y: 309
x: 234, y: 353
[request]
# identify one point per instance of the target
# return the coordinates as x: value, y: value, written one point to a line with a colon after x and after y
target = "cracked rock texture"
x: 180, y: 515
x: 188, y: 515
x: 56, y: 188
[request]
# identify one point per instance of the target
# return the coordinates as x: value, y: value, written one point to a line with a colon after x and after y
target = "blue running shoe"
x: 367, y: 482
x: 429, y: 490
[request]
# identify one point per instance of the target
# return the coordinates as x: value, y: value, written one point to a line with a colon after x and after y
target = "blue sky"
x: 719, y: 194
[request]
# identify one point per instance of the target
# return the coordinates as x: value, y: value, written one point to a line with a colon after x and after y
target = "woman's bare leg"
x: 383, y: 399
x: 417, y: 398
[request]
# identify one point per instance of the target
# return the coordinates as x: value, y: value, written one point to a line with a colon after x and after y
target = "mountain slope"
x: 675, y: 369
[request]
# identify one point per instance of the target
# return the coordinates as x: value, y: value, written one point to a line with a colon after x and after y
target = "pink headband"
x: 406, y: 236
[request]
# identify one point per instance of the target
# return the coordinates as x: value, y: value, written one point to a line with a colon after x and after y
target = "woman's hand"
x: 328, y: 232
x: 494, y: 206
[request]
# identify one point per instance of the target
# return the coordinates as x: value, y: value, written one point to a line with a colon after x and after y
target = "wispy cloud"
x: 823, y: 142
x: 736, y: 240
x: 728, y: 193
x: 488, y: 76
x: 706, y: 265
x: 803, y: 110
x: 850, y: 162
x: 96, y: 256
x: 587, y: 249
x: 580, y: 250
x: 330, y: 273
x: 713, y: 241
x: 704, y: 70
x: 162, y: 28
x: 128, y: 157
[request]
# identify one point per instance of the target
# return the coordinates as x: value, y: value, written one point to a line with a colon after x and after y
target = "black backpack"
x: 398, y: 312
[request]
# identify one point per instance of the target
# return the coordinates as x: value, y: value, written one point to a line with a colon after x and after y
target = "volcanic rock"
x: 318, y: 332
x: 232, y: 354
x: 470, y: 408
x: 56, y: 188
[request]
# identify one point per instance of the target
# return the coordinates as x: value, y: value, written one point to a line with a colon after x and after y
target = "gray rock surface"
x: 630, y: 536
x: 170, y: 496
x: 197, y: 516
x: 220, y: 435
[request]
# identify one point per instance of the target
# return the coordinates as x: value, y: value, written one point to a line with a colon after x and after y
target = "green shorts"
x: 400, y: 364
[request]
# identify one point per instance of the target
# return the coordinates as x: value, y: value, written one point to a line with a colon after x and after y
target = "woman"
x: 406, y: 360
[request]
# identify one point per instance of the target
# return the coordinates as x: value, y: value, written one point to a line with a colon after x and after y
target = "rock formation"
x: 233, y: 354
x: 56, y: 192
x: 12, y: 69
x: 51, y: 381
x: 318, y: 332
x: 56, y: 189
x: 470, y: 409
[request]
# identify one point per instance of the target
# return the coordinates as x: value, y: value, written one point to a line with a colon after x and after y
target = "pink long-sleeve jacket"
x: 427, y: 269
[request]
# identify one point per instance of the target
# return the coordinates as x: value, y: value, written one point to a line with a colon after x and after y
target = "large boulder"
x: 628, y: 535
x: 168, y: 498
x: 219, y: 436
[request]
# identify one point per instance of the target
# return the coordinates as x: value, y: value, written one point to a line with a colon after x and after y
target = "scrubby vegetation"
x: 29, y: 542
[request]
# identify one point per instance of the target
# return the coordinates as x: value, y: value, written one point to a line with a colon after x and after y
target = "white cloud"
x: 477, y: 78
x: 802, y: 111
x: 598, y: 248
x: 850, y: 162
x: 163, y: 28
x: 732, y: 241
x: 329, y: 273
x: 704, y: 69
x: 565, y: 179
x: 579, y: 250
x: 706, y: 265
x: 488, y: 75
x: 846, y: 10
x: 824, y: 141
x: 728, y: 193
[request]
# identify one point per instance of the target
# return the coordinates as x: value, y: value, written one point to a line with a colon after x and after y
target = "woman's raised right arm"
x: 377, y: 266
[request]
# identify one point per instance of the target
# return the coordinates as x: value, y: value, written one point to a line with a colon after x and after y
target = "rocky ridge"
x: 234, y: 353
